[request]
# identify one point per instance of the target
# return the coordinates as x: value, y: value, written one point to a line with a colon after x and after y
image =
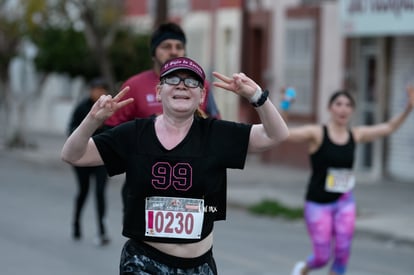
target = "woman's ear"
x: 158, y: 93
x: 203, y: 95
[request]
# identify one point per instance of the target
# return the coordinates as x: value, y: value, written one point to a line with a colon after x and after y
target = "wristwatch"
x: 262, y: 99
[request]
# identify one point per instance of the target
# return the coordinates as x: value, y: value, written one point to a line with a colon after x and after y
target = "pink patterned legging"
x: 331, y: 228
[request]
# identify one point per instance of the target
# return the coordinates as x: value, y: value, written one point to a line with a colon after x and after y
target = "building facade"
x: 380, y: 53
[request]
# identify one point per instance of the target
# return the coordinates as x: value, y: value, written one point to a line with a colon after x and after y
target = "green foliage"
x: 64, y: 51
x: 130, y: 54
x: 63, y: 48
x: 274, y: 208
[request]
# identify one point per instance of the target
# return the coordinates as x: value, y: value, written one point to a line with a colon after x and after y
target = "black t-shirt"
x: 329, y: 155
x: 195, y: 168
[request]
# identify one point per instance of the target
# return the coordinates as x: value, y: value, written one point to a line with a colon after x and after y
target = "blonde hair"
x: 200, y: 113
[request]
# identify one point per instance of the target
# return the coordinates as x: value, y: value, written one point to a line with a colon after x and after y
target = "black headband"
x: 164, y: 36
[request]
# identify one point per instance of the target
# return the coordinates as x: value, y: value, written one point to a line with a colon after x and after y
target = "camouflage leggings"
x: 138, y: 258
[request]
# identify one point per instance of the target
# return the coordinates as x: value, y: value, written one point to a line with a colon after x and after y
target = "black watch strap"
x: 261, y: 100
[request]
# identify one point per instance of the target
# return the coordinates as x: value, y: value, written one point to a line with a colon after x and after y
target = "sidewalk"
x: 385, y: 208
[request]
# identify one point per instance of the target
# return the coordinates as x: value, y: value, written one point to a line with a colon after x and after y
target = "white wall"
x: 401, y: 143
x: 217, y: 50
x: 331, y: 57
x: 227, y: 58
x: 50, y: 111
x: 277, y: 47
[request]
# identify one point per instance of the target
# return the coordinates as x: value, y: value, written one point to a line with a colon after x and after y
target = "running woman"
x: 330, y: 209
x: 175, y: 165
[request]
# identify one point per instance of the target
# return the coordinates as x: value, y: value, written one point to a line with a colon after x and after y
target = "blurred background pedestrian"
x: 97, y: 87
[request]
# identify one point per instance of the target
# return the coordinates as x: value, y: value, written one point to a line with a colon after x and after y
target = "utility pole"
x: 161, y: 13
x: 244, y: 48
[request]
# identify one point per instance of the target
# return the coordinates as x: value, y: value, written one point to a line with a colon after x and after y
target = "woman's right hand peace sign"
x: 106, y: 105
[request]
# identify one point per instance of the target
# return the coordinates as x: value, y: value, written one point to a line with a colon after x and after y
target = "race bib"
x: 339, y: 180
x: 174, y: 217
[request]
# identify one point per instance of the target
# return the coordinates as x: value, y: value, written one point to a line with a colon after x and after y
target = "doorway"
x: 370, y: 100
x: 254, y: 60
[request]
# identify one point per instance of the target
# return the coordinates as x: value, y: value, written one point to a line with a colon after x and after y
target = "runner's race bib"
x: 339, y: 180
x: 170, y: 217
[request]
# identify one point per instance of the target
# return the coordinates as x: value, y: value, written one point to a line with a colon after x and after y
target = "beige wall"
x: 331, y: 59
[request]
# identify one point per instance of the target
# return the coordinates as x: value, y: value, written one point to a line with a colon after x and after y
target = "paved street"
x: 36, y: 203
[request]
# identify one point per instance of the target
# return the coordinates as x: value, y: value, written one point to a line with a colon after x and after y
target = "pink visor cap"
x: 182, y: 63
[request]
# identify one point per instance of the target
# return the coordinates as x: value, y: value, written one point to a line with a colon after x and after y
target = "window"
x: 299, y: 61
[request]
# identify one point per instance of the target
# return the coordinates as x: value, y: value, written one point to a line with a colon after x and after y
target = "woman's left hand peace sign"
x: 239, y: 84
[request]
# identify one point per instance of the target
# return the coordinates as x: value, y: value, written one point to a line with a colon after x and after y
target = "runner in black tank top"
x: 329, y: 155
x: 330, y: 209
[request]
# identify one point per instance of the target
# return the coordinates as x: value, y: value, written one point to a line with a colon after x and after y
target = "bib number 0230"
x: 174, y: 217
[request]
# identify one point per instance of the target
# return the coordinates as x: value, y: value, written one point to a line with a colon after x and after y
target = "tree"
x: 68, y: 32
x: 64, y: 51
x: 22, y: 18
x: 130, y: 53
x: 98, y: 20
x: 101, y: 20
